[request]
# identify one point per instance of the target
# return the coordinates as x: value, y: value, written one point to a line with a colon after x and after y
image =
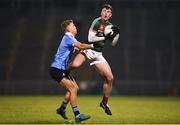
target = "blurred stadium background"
x: 145, y: 61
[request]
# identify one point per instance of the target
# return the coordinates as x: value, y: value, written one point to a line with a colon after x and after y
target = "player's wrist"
x: 92, y: 46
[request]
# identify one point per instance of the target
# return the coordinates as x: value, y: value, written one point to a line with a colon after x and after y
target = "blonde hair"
x: 64, y: 24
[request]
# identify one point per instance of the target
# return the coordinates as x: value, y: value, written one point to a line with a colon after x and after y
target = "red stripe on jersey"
x: 93, y: 30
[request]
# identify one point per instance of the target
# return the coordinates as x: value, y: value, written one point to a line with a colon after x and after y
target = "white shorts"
x: 94, y: 57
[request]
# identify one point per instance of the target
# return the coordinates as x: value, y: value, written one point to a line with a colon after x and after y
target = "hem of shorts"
x: 96, y: 62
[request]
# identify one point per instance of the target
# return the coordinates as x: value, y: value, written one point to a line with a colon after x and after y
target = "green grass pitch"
x: 125, y: 109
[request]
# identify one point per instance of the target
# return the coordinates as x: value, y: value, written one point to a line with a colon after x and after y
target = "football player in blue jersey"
x: 59, y: 66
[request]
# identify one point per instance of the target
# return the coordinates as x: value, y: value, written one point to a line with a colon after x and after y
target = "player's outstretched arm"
x: 83, y: 46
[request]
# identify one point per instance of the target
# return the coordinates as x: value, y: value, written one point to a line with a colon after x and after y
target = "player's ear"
x: 110, y: 15
x: 67, y: 29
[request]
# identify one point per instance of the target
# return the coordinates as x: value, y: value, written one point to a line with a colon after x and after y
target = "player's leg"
x: 77, y: 62
x: 72, y: 87
x: 58, y: 75
x: 104, y: 69
x: 62, y: 109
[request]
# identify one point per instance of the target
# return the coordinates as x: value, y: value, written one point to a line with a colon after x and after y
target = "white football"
x: 108, y: 29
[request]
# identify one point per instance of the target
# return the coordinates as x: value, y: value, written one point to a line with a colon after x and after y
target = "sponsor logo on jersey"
x: 102, y: 27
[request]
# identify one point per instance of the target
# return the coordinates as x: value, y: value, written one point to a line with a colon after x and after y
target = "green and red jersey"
x: 98, y: 25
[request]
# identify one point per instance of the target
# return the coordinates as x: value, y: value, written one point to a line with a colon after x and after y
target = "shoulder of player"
x: 95, y: 21
x: 106, y: 23
x: 95, y: 24
x: 109, y: 23
x: 99, y: 21
x: 69, y: 37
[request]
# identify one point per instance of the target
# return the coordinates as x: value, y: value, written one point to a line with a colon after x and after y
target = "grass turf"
x: 126, y: 110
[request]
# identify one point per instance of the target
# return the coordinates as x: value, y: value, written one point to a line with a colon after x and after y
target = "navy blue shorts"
x: 57, y: 74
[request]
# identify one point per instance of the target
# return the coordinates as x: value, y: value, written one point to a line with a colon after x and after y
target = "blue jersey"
x: 64, y: 52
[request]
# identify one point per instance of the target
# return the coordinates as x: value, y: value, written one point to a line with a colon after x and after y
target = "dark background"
x: 144, y: 62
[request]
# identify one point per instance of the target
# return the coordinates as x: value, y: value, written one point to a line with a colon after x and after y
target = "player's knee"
x: 74, y: 90
x: 77, y: 88
x: 75, y: 64
x: 110, y: 79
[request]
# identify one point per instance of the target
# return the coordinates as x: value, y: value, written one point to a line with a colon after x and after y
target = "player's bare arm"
x: 83, y: 46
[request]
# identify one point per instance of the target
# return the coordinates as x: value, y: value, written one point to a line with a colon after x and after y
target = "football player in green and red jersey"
x: 94, y: 55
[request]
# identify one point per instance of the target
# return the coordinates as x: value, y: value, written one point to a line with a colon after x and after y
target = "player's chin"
x: 75, y: 32
x: 105, y: 18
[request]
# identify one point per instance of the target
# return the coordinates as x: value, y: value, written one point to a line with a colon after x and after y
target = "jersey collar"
x: 103, y: 19
x: 69, y: 34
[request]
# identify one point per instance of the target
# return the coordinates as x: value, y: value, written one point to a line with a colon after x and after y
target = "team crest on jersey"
x: 102, y: 27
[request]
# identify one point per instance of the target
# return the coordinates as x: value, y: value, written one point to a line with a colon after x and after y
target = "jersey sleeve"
x: 71, y: 41
x: 94, y: 25
x: 93, y: 38
x: 93, y: 31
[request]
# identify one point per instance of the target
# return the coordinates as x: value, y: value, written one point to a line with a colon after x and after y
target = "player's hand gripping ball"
x: 108, y: 30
